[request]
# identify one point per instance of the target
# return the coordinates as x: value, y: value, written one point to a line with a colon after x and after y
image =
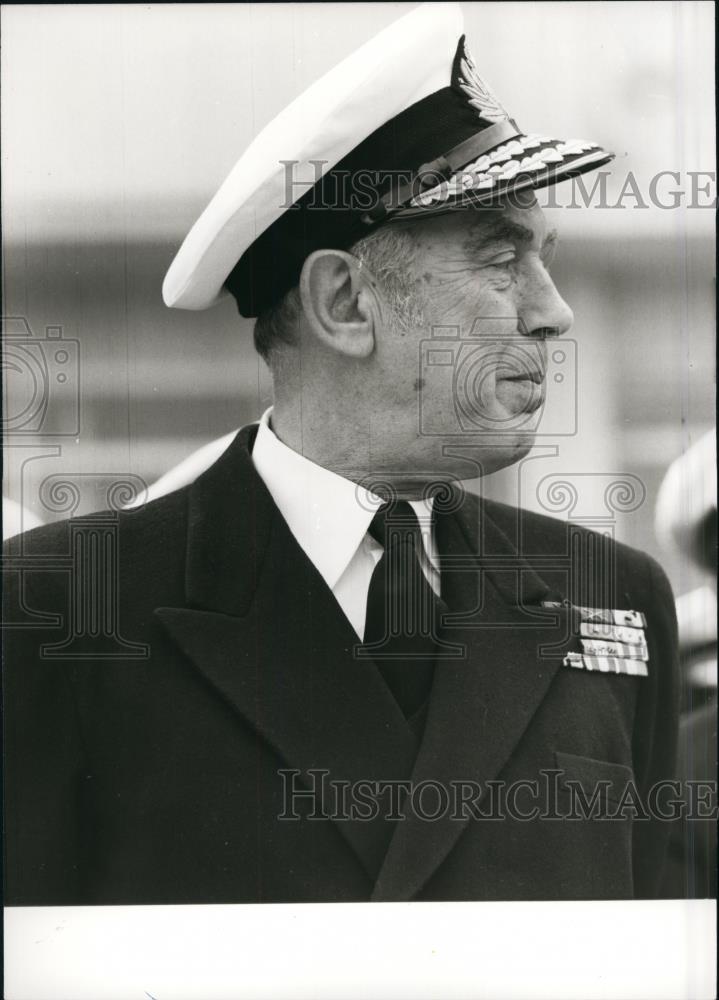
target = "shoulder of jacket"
x: 143, y: 522
x: 544, y: 531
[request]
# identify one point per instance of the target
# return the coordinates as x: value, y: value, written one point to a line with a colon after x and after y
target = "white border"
x: 453, y: 951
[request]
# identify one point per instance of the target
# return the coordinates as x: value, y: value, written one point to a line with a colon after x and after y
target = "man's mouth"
x: 535, y: 376
x: 520, y: 392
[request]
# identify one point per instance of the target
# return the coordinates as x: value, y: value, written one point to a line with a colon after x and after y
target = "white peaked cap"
x: 407, y: 61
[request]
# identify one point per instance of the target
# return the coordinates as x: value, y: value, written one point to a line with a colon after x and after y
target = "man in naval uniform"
x: 335, y: 674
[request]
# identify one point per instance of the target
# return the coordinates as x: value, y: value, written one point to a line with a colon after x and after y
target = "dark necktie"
x: 402, y: 609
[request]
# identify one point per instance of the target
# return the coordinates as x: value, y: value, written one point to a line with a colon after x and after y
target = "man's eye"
x: 504, y: 260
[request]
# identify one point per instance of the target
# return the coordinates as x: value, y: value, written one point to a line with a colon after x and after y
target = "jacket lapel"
x: 482, y: 703
x: 264, y: 629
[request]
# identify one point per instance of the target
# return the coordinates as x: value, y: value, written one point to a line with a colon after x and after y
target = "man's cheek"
x: 463, y: 301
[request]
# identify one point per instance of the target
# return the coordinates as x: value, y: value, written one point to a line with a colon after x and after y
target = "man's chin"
x: 445, y: 460
x: 460, y: 457
x: 481, y: 454
x: 516, y: 451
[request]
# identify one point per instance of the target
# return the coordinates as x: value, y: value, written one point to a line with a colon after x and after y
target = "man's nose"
x: 544, y: 312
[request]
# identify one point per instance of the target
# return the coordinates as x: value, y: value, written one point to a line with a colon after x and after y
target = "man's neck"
x: 331, y: 445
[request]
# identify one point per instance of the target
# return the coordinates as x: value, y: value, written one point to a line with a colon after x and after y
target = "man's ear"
x: 337, y: 303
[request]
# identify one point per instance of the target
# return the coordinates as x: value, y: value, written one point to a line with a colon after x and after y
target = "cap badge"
x: 478, y: 94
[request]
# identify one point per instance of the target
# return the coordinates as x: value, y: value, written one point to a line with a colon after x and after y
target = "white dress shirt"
x: 329, y: 516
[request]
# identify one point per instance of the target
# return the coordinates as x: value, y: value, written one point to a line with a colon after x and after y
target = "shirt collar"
x: 327, y: 514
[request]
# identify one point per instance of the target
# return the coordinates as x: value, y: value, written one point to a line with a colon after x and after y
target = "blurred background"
x: 120, y: 121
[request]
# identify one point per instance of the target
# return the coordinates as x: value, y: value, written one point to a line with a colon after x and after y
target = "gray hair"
x: 389, y: 253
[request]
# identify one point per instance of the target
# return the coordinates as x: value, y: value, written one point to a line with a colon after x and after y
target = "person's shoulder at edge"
x: 142, y: 519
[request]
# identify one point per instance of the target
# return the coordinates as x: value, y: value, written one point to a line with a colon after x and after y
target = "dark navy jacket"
x: 164, y: 665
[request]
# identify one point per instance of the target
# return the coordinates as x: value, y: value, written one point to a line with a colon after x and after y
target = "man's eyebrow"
x: 483, y: 234
x: 486, y: 233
